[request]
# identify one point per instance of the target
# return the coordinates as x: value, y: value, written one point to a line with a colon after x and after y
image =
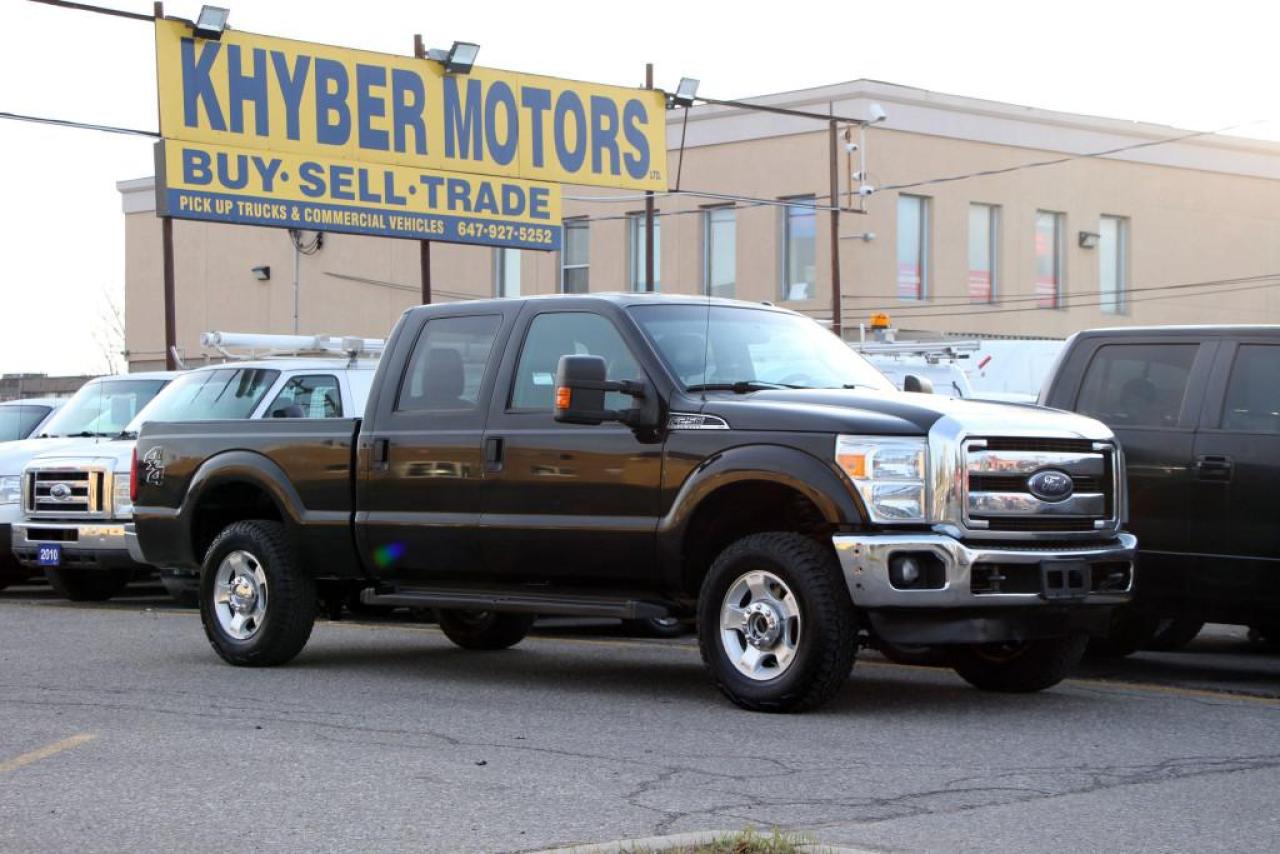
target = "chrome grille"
x: 998, y: 495
x: 66, y: 492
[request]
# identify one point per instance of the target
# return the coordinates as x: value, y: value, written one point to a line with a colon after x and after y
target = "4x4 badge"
x: 153, y: 463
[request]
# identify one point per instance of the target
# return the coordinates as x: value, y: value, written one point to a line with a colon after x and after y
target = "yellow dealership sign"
x: 311, y: 128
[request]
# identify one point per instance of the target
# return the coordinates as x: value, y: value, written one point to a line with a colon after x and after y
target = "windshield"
x: 103, y: 408
x: 17, y: 421
x: 226, y: 393
x: 751, y: 348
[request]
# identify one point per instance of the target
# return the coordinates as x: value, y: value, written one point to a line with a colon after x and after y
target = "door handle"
x: 381, y: 453
x: 1214, y: 467
x: 493, y: 453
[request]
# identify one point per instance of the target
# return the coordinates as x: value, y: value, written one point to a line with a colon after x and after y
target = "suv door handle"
x: 493, y: 453
x: 1214, y: 467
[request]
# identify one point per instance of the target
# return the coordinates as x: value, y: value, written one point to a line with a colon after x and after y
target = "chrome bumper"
x: 131, y: 543
x: 83, y: 536
x: 864, y: 559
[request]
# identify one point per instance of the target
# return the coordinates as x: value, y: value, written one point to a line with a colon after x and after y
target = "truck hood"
x: 15, y: 455
x: 119, y: 452
x: 896, y: 413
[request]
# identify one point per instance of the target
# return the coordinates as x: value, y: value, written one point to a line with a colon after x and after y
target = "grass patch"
x: 744, y: 842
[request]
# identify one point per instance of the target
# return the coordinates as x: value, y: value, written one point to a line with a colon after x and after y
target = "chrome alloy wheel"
x: 240, y: 595
x: 760, y: 625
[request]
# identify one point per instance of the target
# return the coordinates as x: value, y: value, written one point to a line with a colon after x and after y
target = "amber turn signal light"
x: 564, y: 395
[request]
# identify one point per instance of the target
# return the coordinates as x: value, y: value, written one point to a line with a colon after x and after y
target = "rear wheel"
x: 257, y: 605
x: 485, y: 630
x: 1174, y: 633
x: 776, y: 624
x: 657, y: 627
x: 183, y: 589
x: 1019, y: 668
x: 87, y: 585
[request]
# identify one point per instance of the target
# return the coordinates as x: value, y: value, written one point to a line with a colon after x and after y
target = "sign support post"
x: 648, y: 206
x: 837, y: 326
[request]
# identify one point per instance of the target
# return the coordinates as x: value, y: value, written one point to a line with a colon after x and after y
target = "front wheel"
x: 1019, y: 668
x: 776, y: 625
x: 485, y: 630
x: 257, y: 605
x: 87, y: 585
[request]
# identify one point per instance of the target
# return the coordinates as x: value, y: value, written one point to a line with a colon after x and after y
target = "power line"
x: 70, y: 123
x: 1254, y: 287
x: 913, y: 307
x: 101, y: 10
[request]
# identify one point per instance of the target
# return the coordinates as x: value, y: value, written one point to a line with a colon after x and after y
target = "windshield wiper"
x: 740, y: 387
x: 126, y: 434
x: 87, y: 434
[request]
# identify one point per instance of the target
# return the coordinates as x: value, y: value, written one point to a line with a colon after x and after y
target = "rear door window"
x: 1137, y: 385
x: 1253, y: 393
x: 317, y: 395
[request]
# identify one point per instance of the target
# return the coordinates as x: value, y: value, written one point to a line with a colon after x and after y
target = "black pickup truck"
x: 643, y: 456
x: 1197, y: 409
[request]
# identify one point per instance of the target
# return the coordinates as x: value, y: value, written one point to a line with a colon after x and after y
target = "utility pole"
x: 837, y: 325
x: 648, y: 206
x: 424, y: 246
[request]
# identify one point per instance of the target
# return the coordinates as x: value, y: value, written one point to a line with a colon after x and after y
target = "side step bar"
x: 547, y: 603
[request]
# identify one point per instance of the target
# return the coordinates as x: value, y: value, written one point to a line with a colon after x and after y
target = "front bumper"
x: 85, y: 545
x: 967, y: 570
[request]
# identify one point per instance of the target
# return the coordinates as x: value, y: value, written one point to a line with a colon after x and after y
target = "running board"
x: 546, y: 603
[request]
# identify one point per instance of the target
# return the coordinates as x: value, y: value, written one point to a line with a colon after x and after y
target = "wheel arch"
x: 236, y: 486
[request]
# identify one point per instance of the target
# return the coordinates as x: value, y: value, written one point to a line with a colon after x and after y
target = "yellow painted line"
x: 45, y: 752
x: 1173, y: 690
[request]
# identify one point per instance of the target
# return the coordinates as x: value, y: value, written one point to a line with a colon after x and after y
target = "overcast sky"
x: 1192, y: 65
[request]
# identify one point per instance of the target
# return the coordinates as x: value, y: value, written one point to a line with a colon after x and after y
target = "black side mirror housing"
x: 580, y: 390
x: 293, y: 410
x: 916, y: 383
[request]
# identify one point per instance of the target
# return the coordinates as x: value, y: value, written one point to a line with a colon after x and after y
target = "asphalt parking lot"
x: 123, y: 731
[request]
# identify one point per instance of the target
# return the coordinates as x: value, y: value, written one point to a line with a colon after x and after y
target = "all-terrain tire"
x: 1019, y: 668
x: 87, y: 585
x: 290, y: 596
x: 484, y: 630
x: 826, y: 644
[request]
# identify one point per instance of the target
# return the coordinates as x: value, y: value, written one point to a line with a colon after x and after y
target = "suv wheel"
x: 87, y: 585
x: 484, y: 630
x: 258, y: 607
x: 1019, y: 668
x: 776, y: 624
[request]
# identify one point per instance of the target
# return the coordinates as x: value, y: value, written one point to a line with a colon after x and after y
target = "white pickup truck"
x: 94, y: 415
x: 84, y: 543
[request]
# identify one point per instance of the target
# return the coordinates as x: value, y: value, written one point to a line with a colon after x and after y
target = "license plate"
x: 1064, y: 579
x: 49, y: 554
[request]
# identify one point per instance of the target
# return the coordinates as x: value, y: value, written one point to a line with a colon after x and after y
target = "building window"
x: 1113, y: 261
x: 1049, y: 232
x: 506, y: 272
x: 799, y: 249
x: 575, y: 257
x: 913, y: 247
x: 984, y: 234
x: 719, y: 248
x: 636, y: 250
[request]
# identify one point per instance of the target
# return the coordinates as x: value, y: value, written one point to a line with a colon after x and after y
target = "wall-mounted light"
x: 877, y: 114
x: 458, y: 59
x: 685, y: 93
x: 262, y: 274
x: 211, y: 22
x: 1088, y: 239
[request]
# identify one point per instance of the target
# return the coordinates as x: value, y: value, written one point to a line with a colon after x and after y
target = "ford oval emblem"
x: 59, y: 492
x: 1050, y: 485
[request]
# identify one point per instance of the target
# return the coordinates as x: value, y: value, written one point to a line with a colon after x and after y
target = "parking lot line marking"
x: 45, y: 752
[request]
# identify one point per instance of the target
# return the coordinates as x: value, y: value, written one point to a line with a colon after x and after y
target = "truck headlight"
x: 121, y: 506
x: 889, y: 473
x: 11, y: 489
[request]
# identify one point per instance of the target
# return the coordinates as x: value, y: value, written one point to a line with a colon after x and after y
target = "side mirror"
x: 293, y: 410
x: 919, y: 384
x: 580, y: 390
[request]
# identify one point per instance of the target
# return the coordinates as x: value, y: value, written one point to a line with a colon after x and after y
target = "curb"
x: 657, y: 844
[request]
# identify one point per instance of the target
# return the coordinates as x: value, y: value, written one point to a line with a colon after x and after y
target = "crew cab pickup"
x: 642, y: 455
x: 1197, y: 409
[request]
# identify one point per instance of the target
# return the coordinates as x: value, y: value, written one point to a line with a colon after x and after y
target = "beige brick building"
x: 1040, y: 251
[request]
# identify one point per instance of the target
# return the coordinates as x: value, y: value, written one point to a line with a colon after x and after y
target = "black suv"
x: 1197, y: 411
